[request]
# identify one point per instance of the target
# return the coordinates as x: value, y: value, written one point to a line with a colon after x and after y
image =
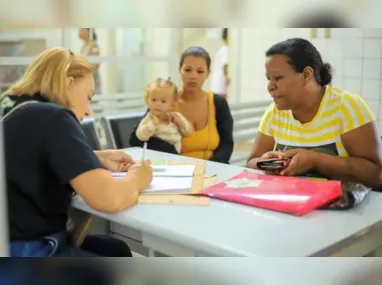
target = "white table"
x: 264, y: 271
x: 228, y: 229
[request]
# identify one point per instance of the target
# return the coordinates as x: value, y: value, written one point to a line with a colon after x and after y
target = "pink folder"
x: 293, y: 195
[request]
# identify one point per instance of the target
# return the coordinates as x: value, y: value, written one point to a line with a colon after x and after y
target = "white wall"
x: 131, y: 72
x: 203, y: 37
x: 210, y: 39
x: 355, y: 54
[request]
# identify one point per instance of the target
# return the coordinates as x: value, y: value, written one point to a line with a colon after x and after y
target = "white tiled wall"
x: 355, y: 54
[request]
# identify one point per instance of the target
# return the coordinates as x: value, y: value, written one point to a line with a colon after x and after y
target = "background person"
x: 220, y: 79
x: 91, y: 48
x: 208, y: 113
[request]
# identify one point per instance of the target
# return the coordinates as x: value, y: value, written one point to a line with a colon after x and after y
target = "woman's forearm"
x: 125, y: 192
x: 353, y: 169
x: 105, y: 193
x: 99, y: 154
x: 121, y: 193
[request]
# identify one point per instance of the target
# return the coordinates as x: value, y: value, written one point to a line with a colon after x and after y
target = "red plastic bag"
x: 293, y: 195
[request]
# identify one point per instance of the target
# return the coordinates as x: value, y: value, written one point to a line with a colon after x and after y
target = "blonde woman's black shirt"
x: 45, y: 148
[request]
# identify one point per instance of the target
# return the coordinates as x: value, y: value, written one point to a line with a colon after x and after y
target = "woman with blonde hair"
x: 47, y: 157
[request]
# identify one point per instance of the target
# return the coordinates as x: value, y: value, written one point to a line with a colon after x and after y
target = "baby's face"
x: 161, y: 100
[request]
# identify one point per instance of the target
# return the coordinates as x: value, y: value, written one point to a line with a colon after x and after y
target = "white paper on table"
x: 167, y: 171
x: 174, y: 171
x: 118, y: 174
x: 169, y: 184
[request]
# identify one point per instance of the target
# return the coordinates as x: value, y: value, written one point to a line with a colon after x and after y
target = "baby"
x: 161, y: 121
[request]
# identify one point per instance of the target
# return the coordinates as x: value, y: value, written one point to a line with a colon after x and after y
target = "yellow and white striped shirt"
x: 339, y: 112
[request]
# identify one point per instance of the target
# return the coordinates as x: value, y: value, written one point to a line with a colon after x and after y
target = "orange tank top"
x: 202, y: 143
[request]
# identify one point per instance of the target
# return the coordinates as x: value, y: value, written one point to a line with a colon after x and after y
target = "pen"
x: 144, y: 150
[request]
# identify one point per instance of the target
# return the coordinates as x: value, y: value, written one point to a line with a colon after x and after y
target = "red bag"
x: 292, y: 195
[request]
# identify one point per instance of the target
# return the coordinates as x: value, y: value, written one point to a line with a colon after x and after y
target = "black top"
x: 45, y: 148
x: 224, y: 124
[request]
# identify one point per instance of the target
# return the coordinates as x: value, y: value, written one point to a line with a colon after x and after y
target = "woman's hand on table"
x: 301, y: 161
x: 272, y: 154
x: 115, y: 160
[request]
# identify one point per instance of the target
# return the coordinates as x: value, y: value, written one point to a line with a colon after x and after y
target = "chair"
x: 118, y: 129
x: 90, y: 131
x: 80, y: 226
x: 81, y: 221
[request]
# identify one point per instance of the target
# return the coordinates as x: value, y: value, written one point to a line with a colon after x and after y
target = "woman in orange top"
x: 208, y: 113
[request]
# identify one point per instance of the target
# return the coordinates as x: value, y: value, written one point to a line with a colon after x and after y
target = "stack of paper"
x: 168, y: 178
x: 166, y: 184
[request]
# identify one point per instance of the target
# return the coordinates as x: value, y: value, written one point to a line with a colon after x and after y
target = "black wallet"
x: 272, y: 164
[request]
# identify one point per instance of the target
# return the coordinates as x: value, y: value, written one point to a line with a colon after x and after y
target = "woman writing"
x: 208, y: 113
x: 47, y: 157
x: 322, y: 130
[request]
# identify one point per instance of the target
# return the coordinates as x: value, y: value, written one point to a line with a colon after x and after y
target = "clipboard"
x: 197, y: 180
x: 176, y: 199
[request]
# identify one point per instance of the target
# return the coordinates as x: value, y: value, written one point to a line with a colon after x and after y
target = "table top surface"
x: 265, y: 271
x: 229, y: 229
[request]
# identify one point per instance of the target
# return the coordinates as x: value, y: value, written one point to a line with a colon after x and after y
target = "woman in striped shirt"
x: 323, y: 130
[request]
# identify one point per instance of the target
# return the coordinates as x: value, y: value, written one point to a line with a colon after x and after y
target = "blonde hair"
x: 161, y: 82
x: 48, y: 74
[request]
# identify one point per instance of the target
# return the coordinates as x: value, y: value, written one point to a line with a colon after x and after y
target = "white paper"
x: 118, y: 174
x: 167, y: 184
x: 174, y: 171
x: 167, y: 171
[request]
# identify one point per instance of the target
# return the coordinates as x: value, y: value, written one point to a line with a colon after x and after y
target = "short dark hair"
x: 302, y: 53
x: 196, y: 52
x: 225, y: 34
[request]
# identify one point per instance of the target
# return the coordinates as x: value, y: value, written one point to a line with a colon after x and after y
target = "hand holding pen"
x: 143, y: 170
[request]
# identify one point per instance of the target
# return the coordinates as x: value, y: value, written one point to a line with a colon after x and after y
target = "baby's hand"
x: 154, y: 118
x: 173, y: 117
